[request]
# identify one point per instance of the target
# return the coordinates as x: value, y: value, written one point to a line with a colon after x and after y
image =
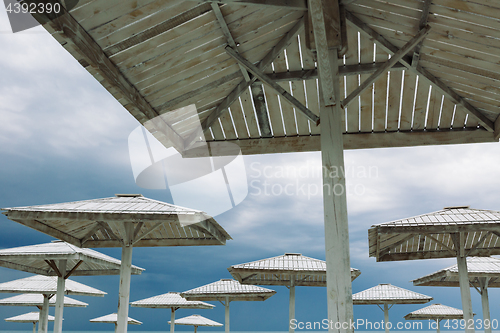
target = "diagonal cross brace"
x: 388, y: 64
x: 264, y: 78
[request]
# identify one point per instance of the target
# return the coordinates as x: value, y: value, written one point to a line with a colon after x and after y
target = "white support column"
x: 172, y: 321
x: 61, y: 282
x: 483, y: 285
x: 125, y: 272
x: 43, y: 320
x: 438, y: 329
x: 226, y: 304
x: 34, y: 327
x: 386, y: 317
x: 463, y: 279
x: 292, y: 304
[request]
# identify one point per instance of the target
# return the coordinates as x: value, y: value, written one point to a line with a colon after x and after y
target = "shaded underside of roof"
x: 196, y: 320
x: 221, y: 289
x: 37, y: 300
x: 170, y: 300
x: 477, y: 267
x: 101, y: 222
x: 280, y: 270
x: 38, y: 258
x: 158, y: 56
x: 432, y: 235
x: 435, y: 311
x: 30, y: 317
x: 389, y: 294
x: 39, y: 284
x: 112, y: 319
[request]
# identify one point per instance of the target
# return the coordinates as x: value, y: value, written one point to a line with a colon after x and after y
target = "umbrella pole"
x: 291, y: 305
x: 34, y: 327
x: 43, y: 320
x: 60, y: 296
x: 172, y: 321
x: 438, y: 330
x: 483, y: 285
x: 227, y: 313
x: 124, y: 291
x: 195, y: 328
x: 386, y: 317
x: 463, y: 279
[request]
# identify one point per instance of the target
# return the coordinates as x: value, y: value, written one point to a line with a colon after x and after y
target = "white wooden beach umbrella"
x: 197, y: 320
x: 435, y: 312
x: 172, y: 301
x: 483, y: 272
x: 30, y: 317
x: 388, y: 295
x: 112, y: 318
x: 48, y: 286
x: 290, y: 270
x: 63, y: 260
x: 453, y: 232
x: 125, y: 220
x: 227, y: 291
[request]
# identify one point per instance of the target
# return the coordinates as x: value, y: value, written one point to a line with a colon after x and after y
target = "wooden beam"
x: 421, y: 25
x: 282, y: 92
x: 73, y: 32
x: 227, y: 34
x: 497, y: 128
x: 24, y: 268
x: 37, y: 225
x: 423, y: 73
x: 90, y: 234
x: 73, y: 269
x: 289, y: 4
x: 353, y: 141
x: 53, y: 265
x: 388, y: 64
x: 150, y: 230
x: 110, y: 232
x: 261, y: 111
x: 243, y: 85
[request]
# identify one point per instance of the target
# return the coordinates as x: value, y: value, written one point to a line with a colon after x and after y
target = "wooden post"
x: 463, y: 279
x: 195, y: 328
x: 61, y: 282
x: 43, y: 321
x: 292, y: 304
x: 438, y: 330
x: 125, y: 272
x: 34, y: 327
x: 172, y: 321
x: 483, y: 285
x: 386, y: 317
x: 227, y: 313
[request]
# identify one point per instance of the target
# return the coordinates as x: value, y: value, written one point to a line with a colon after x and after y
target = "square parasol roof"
x: 197, y: 320
x: 170, y: 300
x: 435, y: 311
x: 223, y: 288
x: 386, y: 293
x: 112, y: 319
x: 100, y: 222
x: 37, y: 300
x: 30, y: 317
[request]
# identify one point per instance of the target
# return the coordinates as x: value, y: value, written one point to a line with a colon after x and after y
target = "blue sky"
x: 64, y: 138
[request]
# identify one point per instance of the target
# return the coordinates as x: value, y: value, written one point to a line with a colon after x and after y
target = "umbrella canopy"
x: 226, y: 291
x: 173, y: 301
x: 451, y: 232
x: 388, y: 295
x: 125, y: 220
x: 112, y: 319
x: 37, y: 300
x: 435, y: 312
x: 290, y: 269
x: 483, y: 272
x: 30, y: 317
x: 197, y: 320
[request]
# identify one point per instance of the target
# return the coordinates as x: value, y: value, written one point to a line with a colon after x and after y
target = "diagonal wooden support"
x: 261, y: 110
x: 422, y: 72
x: 264, y: 78
x: 421, y: 25
x: 289, y: 4
x: 227, y: 34
x: 497, y: 128
x: 243, y: 85
x: 388, y: 64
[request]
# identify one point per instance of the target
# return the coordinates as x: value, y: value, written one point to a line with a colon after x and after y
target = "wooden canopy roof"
x: 228, y: 288
x: 435, y: 311
x: 100, y: 222
x: 278, y: 270
x: 170, y: 300
x: 386, y: 293
x: 40, y: 284
x: 248, y: 67
x: 197, y: 320
x: 30, y: 317
x: 112, y: 319
x: 37, y: 300
x: 434, y: 235
x: 477, y: 267
x: 41, y: 259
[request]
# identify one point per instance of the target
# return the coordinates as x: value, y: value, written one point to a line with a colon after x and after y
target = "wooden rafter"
x: 243, y: 85
x: 479, y: 242
x: 422, y: 72
x: 151, y: 229
x: 68, y: 274
x: 261, y: 111
x: 87, y: 47
x: 53, y: 265
x: 279, y: 90
x: 421, y: 24
x: 289, y: 4
x: 90, y: 233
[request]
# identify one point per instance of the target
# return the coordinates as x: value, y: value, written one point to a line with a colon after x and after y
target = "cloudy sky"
x: 65, y: 138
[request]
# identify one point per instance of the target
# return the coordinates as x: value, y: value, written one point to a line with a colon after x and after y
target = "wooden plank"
x: 261, y: 111
x: 434, y: 109
x: 420, y: 105
x: 380, y: 95
x: 365, y: 98
x: 394, y: 100
x: 246, y: 102
x: 311, y: 92
x: 227, y: 126
x: 274, y: 113
x: 409, y: 86
x: 351, y: 58
x: 446, y: 114
x: 289, y: 4
x: 497, y: 129
x: 239, y: 120
x: 287, y: 109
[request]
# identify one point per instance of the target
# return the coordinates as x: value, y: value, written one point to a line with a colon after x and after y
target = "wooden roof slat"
x: 240, y: 123
x: 420, y: 108
x: 394, y: 100
x: 287, y: 111
x: 434, y: 109
x: 227, y: 126
x: 409, y: 86
x: 351, y: 58
x: 380, y: 95
x: 366, y: 110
